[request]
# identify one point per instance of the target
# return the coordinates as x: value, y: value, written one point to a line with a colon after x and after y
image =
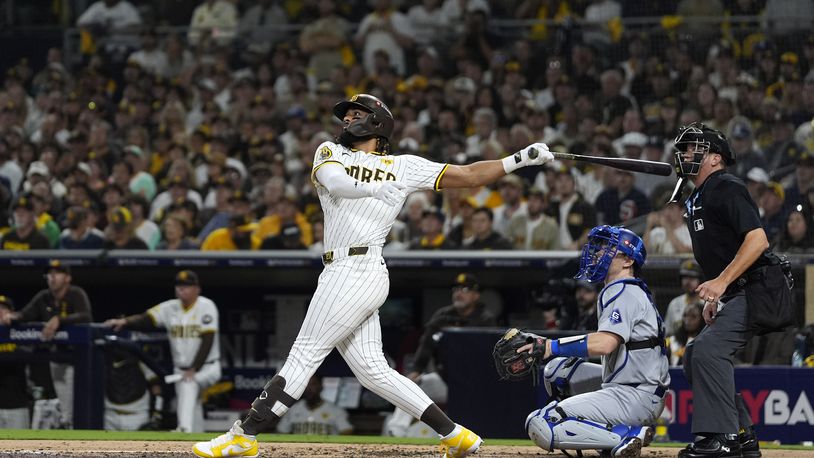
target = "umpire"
x: 731, y: 246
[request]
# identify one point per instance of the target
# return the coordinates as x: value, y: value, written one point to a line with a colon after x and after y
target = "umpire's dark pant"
x: 708, y: 365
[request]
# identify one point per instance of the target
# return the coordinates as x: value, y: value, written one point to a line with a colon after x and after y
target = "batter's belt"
x: 343, y: 252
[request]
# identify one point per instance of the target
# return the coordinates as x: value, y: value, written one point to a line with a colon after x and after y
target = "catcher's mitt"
x: 515, y: 366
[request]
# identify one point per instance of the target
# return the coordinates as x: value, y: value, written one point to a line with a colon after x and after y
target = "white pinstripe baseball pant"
x: 343, y: 313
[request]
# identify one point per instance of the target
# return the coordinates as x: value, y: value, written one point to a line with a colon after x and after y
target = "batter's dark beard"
x: 347, y: 139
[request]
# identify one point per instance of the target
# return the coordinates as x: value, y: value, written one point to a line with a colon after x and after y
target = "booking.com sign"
x: 778, y: 399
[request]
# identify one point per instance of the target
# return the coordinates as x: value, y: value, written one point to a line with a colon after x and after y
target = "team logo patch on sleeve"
x: 208, y: 319
x: 616, y: 316
x: 325, y: 153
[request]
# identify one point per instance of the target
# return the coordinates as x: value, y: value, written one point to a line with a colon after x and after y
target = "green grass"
x: 56, y: 434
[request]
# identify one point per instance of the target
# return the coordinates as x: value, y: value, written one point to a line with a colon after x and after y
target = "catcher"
x: 607, y: 407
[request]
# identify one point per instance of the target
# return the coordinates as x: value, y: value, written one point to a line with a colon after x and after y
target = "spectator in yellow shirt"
x: 238, y: 235
x: 287, y: 213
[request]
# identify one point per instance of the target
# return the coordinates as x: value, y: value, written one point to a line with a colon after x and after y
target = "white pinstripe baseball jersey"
x: 367, y: 221
x: 184, y: 328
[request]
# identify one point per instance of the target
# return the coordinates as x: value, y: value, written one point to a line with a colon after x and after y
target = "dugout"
x: 262, y: 296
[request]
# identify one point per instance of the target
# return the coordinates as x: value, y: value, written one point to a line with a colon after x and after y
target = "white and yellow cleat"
x: 460, y: 442
x: 232, y: 443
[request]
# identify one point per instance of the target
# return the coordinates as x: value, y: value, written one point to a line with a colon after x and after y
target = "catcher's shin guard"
x: 267, y: 408
x: 564, y: 377
x: 551, y: 428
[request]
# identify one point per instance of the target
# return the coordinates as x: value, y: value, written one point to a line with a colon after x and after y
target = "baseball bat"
x: 676, y: 195
x: 634, y: 165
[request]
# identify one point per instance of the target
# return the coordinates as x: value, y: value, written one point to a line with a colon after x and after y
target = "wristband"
x: 513, y: 162
x: 570, y: 346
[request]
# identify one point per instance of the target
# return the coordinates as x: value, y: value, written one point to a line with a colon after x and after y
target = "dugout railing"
x: 128, y: 281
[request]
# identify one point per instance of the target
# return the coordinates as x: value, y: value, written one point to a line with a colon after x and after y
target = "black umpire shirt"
x: 719, y: 214
x: 73, y: 308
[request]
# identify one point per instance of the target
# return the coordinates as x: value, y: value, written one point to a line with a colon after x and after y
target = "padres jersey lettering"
x: 367, y: 221
x: 185, y: 327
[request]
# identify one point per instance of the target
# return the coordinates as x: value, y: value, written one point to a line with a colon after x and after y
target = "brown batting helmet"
x: 380, y: 121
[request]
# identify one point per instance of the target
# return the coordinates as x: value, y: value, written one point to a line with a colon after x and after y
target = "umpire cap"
x: 187, y: 278
x: 380, y: 122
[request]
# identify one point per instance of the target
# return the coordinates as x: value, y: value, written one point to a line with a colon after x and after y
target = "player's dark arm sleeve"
x: 140, y: 321
x: 33, y: 310
x: 424, y: 352
x: 82, y: 312
x: 426, y: 345
x: 207, y: 340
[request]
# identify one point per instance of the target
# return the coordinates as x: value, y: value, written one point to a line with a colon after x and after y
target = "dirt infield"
x: 128, y: 449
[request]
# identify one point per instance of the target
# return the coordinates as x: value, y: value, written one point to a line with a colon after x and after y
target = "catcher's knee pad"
x: 551, y: 428
x: 557, y: 374
x: 564, y: 377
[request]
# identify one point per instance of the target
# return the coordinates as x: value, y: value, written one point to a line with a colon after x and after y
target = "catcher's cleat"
x: 232, y: 443
x: 631, y: 446
x: 464, y: 443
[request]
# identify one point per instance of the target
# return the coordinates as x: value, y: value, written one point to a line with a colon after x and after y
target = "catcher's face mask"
x: 597, y: 255
x: 690, y: 139
x: 604, y: 242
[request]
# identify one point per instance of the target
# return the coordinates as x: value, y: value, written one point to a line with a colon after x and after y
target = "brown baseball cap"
x: 187, y: 277
x: 466, y: 280
x: 55, y: 265
x: 6, y: 301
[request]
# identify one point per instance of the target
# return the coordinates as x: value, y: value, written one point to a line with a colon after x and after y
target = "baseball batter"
x: 361, y: 188
x: 191, y: 321
x: 612, y: 405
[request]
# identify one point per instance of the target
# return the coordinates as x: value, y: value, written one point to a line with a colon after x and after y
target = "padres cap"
x: 466, y: 280
x: 7, y: 302
x: 187, y: 277
x: 23, y: 202
x: 55, y: 265
x: 690, y: 268
x: 121, y: 217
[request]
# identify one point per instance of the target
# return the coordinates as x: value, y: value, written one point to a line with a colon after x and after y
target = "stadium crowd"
x: 204, y: 139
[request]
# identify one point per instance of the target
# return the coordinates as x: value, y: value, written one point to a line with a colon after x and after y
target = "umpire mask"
x: 691, y: 136
x: 703, y: 140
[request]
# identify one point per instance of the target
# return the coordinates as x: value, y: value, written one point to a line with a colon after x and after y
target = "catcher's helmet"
x: 705, y: 140
x: 380, y: 121
x: 603, y: 244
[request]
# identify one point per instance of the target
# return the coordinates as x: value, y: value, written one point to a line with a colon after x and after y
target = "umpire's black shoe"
x: 749, y: 445
x: 715, y: 446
